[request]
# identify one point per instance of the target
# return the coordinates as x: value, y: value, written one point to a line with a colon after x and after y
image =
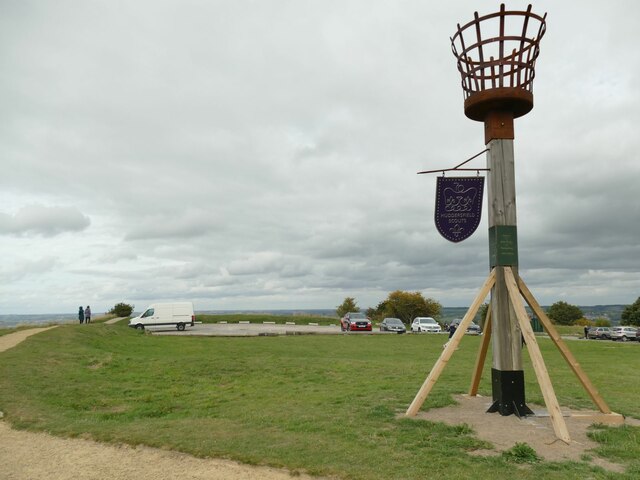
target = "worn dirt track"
x: 28, y: 456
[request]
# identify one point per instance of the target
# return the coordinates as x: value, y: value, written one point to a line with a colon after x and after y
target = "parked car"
x: 600, y: 333
x: 638, y: 335
x: 392, y: 325
x: 355, y: 321
x: 472, y: 329
x: 624, y: 333
x: 425, y: 324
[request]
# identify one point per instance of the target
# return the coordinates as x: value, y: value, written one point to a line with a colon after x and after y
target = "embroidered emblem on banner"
x: 458, y: 206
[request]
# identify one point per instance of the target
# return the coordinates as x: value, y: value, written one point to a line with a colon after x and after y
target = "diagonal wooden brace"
x: 550, y: 400
x: 562, y: 347
x: 451, y: 346
x: 482, y: 355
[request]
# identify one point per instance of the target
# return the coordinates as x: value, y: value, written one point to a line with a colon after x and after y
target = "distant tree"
x: 408, y: 305
x: 481, y: 316
x: 564, y: 314
x: 631, y: 314
x: 375, y: 314
x: 602, y: 322
x: 122, y: 309
x: 378, y: 313
x: 583, y: 322
x: 349, y: 305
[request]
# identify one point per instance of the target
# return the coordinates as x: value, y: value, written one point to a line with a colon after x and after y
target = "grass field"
x: 327, y: 405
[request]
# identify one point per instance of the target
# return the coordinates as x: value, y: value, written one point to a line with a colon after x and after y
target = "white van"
x: 179, y: 314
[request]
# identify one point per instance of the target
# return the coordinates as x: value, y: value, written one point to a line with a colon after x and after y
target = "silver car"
x: 392, y: 325
x: 623, y: 333
x: 599, y: 333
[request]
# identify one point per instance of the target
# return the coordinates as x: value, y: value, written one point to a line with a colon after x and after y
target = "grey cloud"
x: 42, y: 220
x: 269, y: 157
x: 262, y: 263
x: 115, y: 256
x: 25, y: 268
x: 173, y: 225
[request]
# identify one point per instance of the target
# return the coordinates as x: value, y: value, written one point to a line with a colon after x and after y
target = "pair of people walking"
x: 84, y: 315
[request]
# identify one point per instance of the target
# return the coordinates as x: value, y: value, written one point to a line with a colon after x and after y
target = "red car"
x: 355, y: 321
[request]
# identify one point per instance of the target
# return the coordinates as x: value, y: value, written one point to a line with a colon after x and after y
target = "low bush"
x: 122, y: 309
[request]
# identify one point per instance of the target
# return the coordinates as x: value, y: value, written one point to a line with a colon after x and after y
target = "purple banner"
x: 458, y: 206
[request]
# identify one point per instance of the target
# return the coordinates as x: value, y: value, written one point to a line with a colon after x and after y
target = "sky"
x: 250, y: 155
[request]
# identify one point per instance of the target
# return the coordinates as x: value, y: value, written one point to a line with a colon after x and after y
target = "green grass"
x: 570, y: 330
x: 327, y: 405
x: 521, y: 453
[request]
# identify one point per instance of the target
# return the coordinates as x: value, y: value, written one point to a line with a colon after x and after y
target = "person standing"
x: 452, y: 330
x: 81, y: 315
x: 87, y: 314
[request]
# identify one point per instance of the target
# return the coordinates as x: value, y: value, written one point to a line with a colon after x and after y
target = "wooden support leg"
x: 482, y: 355
x: 564, y: 350
x: 550, y: 400
x: 431, y: 380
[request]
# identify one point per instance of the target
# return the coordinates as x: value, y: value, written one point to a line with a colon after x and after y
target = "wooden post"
x: 507, y: 375
x: 495, y: 95
x: 451, y: 346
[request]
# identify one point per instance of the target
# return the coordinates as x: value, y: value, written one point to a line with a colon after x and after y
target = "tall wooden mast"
x: 497, y: 68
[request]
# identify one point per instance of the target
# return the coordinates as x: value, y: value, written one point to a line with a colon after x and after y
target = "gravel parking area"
x: 253, y: 330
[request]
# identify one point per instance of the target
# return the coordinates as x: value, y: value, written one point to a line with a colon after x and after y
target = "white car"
x: 623, y: 333
x: 425, y: 324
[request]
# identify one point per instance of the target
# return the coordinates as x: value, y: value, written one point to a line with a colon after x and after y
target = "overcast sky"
x: 263, y: 154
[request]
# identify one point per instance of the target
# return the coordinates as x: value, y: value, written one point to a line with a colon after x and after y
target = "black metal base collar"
x: 508, y: 393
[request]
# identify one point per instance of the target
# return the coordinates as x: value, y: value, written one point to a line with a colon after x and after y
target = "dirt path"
x: 28, y: 456
x: 11, y: 340
x: 114, y: 320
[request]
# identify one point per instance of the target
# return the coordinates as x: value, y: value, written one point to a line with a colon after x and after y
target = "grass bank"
x: 323, y: 404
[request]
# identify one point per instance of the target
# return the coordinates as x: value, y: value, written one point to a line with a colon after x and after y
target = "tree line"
x: 408, y: 305
x: 403, y: 305
x: 563, y: 313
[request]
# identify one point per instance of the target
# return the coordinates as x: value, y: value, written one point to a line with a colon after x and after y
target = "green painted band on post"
x: 503, y: 245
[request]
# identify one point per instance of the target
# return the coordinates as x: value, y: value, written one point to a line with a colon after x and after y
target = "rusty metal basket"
x: 496, y: 56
